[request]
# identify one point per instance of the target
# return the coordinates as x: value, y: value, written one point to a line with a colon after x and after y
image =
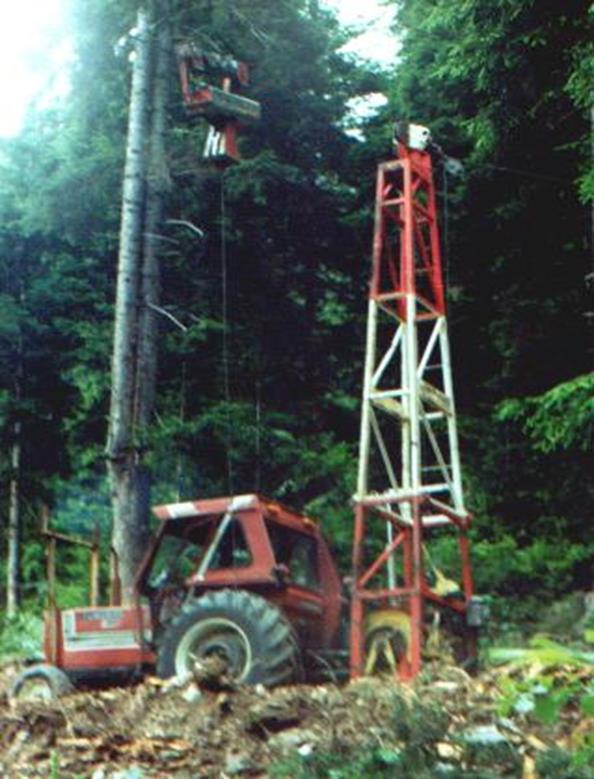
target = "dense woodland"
x: 260, y: 355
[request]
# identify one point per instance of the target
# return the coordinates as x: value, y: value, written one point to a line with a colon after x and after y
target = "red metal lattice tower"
x: 409, y: 481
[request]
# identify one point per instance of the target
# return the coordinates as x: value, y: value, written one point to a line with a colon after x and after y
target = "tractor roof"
x: 218, y: 506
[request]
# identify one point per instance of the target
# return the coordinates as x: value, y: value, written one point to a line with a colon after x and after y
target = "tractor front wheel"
x: 40, y: 682
x: 250, y: 634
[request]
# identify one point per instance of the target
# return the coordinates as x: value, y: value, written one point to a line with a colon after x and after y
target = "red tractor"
x: 242, y: 578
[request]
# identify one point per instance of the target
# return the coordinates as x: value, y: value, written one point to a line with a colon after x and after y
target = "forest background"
x: 260, y: 390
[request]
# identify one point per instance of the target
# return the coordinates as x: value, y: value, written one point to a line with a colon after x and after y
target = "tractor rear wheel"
x: 40, y: 682
x: 250, y: 634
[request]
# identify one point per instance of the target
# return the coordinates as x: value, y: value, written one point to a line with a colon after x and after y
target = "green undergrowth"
x: 20, y: 636
x: 545, y: 682
x: 557, y: 763
x: 416, y: 728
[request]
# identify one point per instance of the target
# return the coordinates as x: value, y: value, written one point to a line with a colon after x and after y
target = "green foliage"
x: 523, y: 582
x: 417, y: 727
x: 579, y: 86
x: 372, y: 762
x: 557, y: 763
x: 553, y: 685
x: 20, y: 636
x: 55, y: 765
x: 561, y: 418
x: 544, y: 653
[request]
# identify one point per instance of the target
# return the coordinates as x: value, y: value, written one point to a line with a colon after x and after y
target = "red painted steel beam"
x: 380, y: 561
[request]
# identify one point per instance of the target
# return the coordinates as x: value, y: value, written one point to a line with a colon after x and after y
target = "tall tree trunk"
x: 158, y: 185
x: 13, y: 583
x: 130, y: 531
x: 13, y: 567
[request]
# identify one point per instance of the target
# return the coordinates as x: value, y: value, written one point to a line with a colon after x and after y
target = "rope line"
x: 224, y: 307
x: 258, y: 432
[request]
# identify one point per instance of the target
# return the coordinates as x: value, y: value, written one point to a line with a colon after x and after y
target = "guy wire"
x: 224, y: 302
x: 258, y: 431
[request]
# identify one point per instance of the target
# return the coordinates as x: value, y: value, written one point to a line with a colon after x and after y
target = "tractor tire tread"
x: 275, y: 650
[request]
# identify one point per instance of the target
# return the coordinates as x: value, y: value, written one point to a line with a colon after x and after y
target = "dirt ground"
x: 209, y: 727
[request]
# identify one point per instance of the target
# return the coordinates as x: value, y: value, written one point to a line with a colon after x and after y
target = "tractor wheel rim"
x: 216, y: 637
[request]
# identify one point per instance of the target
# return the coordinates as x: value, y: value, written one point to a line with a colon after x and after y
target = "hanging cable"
x: 181, y: 416
x: 224, y: 295
x: 258, y: 431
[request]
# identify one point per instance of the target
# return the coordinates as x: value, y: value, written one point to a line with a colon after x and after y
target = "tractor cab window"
x: 176, y: 559
x: 232, y: 550
x: 187, y: 547
x: 298, y: 552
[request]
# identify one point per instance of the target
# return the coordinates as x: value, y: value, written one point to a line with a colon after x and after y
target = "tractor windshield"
x: 195, y: 547
x: 175, y: 560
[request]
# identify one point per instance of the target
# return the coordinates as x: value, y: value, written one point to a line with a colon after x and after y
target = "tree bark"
x: 130, y: 531
x: 13, y: 566
x: 13, y: 583
x: 157, y: 188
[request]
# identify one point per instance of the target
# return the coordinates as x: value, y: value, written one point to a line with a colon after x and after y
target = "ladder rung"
x: 438, y: 487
